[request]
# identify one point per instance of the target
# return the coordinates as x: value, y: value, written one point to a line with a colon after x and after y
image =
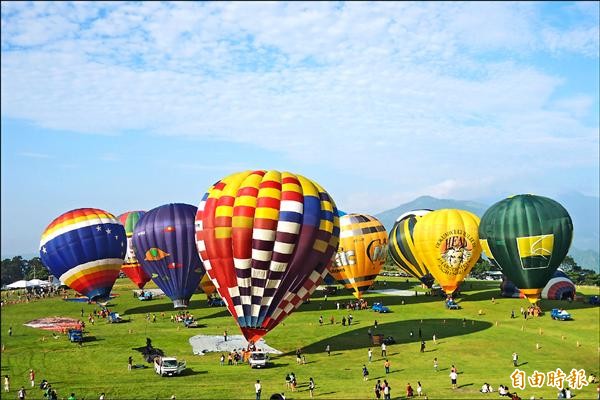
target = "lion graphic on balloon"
x: 456, y: 252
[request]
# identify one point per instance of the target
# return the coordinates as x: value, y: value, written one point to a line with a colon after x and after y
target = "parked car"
x: 75, y: 335
x: 216, y: 302
x: 168, y: 366
x: 380, y: 308
x: 145, y: 296
x: 560, y: 314
x: 190, y: 323
x: 452, y: 305
x: 114, y: 317
x: 258, y: 359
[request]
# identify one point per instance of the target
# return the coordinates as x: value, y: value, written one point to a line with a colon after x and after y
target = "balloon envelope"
x: 361, y: 252
x: 131, y: 267
x: 85, y: 249
x: 265, y: 238
x: 447, y: 242
x: 559, y: 287
x: 207, y: 286
x: 401, y: 246
x: 528, y: 237
x: 165, y: 246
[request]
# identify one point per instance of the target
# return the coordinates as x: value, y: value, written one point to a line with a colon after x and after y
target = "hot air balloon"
x: 265, y: 238
x: 207, y: 286
x: 559, y: 287
x: 528, y: 237
x: 447, y: 243
x: 361, y: 252
x: 401, y: 246
x: 85, y: 249
x: 165, y: 246
x: 131, y: 267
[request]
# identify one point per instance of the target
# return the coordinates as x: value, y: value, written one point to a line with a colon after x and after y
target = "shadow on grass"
x: 399, y: 330
x: 164, y: 307
x: 90, y: 339
x: 191, y: 372
x: 465, y: 385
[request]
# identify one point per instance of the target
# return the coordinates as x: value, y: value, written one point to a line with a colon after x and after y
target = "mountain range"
x: 584, y: 211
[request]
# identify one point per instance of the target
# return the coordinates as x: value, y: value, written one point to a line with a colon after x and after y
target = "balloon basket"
x: 180, y: 303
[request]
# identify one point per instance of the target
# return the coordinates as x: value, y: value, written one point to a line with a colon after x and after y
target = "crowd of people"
x: 48, y: 391
x: 28, y: 295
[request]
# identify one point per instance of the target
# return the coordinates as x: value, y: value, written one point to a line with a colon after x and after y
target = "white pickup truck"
x: 258, y: 359
x: 168, y: 366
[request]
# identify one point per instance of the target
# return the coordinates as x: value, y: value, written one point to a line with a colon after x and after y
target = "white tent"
x: 17, y: 285
x: 22, y: 284
x: 38, y: 282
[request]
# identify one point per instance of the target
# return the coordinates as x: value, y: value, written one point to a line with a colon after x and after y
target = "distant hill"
x: 583, y: 210
x: 388, y: 217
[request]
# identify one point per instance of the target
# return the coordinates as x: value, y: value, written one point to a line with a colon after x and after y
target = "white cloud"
x: 405, y: 93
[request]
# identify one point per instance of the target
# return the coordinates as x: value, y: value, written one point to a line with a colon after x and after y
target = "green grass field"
x: 481, y: 350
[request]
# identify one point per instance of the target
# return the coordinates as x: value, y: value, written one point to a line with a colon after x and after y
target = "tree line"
x: 18, y: 268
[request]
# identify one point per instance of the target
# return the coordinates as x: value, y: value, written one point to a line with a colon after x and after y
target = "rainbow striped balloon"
x: 131, y: 267
x: 85, y: 248
x: 265, y: 238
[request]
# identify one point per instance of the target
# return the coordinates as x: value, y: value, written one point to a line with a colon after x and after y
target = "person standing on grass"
x: 419, y: 389
x: 365, y: 373
x: 387, y: 391
x: 129, y: 363
x: 378, y: 389
x: 258, y: 389
x: 383, y: 350
x: 311, y: 387
x: 22, y: 393
x: 453, y: 378
x: 422, y: 346
x: 435, y: 364
x: 328, y: 350
x: 515, y: 358
x: 6, y: 383
x: 370, y: 354
x: 225, y: 335
x: 32, y: 377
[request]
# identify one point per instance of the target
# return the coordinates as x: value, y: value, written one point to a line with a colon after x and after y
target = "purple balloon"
x: 165, y: 245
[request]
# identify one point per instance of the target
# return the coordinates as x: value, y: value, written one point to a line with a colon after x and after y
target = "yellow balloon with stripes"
x: 447, y: 242
x: 361, y: 252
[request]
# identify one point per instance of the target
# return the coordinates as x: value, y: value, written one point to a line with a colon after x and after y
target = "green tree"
x: 481, y: 266
x: 35, y: 269
x: 570, y: 265
x: 12, y: 270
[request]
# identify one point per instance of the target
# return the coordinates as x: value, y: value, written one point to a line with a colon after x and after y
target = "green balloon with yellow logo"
x: 528, y: 237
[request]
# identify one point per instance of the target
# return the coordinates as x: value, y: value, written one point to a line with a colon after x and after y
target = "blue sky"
x: 125, y: 106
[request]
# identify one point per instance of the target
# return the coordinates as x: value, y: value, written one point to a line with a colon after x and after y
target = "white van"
x: 258, y: 359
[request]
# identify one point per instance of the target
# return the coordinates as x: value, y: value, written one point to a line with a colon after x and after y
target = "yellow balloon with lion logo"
x: 447, y: 242
x: 361, y: 252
